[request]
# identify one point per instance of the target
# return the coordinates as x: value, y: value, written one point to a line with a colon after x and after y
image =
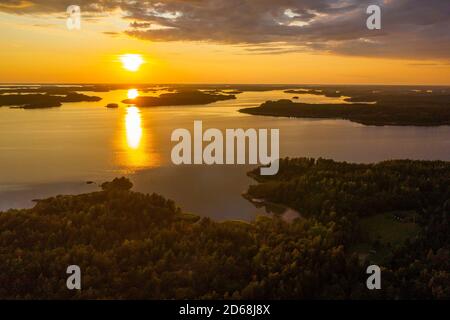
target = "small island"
x: 43, y: 100
x: 179, y: 98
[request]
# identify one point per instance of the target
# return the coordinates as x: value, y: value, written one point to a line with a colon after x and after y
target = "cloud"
x: 414, y: 29
x: 56, y: 6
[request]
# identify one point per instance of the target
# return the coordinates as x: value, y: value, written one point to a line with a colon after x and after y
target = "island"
x: 366, y: 104
x: 433, y: 111
x: 183, y: 97
x: 45, y: 100
x: 319, y: 92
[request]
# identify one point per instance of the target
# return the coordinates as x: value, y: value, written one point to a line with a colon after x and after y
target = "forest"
x: 131, y: 245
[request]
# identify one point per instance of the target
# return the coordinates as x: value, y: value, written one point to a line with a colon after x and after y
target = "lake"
x: 45, y: 152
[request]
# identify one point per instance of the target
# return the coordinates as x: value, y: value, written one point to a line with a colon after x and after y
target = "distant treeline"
x: 369, y: 105
x: 402, y: 113
x: 43, y: 100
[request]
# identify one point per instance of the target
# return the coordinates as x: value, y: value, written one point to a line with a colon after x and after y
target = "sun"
x: 131, y: 62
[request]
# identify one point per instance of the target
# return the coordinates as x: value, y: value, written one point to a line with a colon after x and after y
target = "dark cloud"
x: 410, y: 28
x: 111, y: 33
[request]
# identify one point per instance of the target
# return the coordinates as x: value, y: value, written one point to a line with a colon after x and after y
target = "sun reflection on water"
x: 133, y: 127
x: 132, y: 94
x: 136, y: 142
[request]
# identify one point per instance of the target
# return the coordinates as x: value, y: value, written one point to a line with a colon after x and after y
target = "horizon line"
x: 222, y: 84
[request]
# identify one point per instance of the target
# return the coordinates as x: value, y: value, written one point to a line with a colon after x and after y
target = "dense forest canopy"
x: 132, y: 245
x: 323, y: 187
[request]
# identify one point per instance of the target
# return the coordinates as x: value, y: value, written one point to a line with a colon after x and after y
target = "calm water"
x: 46, y: 152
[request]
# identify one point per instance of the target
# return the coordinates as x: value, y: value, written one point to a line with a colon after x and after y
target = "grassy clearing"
x: 387, y: 230
x: 384, y: 232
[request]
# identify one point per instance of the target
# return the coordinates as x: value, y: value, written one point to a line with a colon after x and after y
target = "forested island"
x: 412, y: 113
x: 183, y: 97
x: 368, y: 105
x: 43, y: 100
x: 131, y: 245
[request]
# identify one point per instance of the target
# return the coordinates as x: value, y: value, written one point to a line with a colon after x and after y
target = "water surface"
x: 45, y: 152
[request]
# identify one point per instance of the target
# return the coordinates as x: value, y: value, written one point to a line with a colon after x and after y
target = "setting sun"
x: 131, y: 62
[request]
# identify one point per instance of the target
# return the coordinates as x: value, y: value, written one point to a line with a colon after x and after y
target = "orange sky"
x: 40, y: 49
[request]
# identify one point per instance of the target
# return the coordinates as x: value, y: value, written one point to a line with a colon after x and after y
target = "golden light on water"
x: 135, y: 154
x: 132, y: 94
x: 133, y: 127
x: 131, y: 62
x: 136, y: 142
